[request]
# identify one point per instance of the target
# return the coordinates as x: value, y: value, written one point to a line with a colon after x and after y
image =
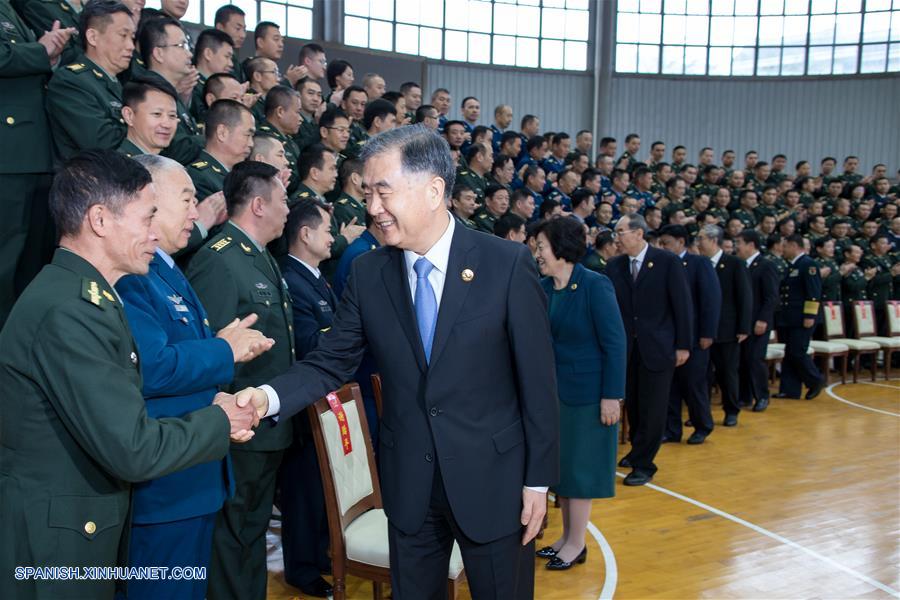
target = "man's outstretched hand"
x: 242, y: 418
x: 253, y: 397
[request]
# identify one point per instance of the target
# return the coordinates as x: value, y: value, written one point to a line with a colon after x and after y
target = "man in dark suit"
x: 801, y: 291
x: 754, y: 386
x: 173, y: 516
x: 690, y: 382
x: 734, y: 320
x: 304, y: 525
x: 655, y: 303
x: 437, y: 301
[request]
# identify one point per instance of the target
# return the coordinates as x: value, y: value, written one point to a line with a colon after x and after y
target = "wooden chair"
x: 774, y: 354
x: 864, y: 319
x: 834, y: 332
x: 826, y: 350
x: 357, y: 525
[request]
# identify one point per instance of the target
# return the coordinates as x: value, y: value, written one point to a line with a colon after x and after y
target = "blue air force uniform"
x: 801, y: 291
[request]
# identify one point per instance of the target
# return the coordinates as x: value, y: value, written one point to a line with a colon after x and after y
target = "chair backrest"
x: 376, y: 389
x: 834, y: 319
x: 893, y: 317
x: 773, y: 337
x: 864, y: 317
x: 349, y: 475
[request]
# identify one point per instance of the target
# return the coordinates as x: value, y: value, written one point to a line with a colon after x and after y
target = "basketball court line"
x: 778, y: 538
x: 884, y: 385
x: 609, y: 559
x: 831, y: 393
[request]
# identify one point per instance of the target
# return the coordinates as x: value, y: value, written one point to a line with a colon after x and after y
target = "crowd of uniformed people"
x: 261, y: 209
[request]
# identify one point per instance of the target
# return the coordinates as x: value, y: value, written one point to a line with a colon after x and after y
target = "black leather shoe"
x: 815, y: 390
x: 761, y: 405
x: 697, y: 438
x: 688, y: 423
x: 782, y: 395
x: 546, y: 552
x: 667, y: 440
x: 637, y: 478
x: 625, y: 463
x: 556, y: 564
x: 730, y: 421
x: 318, y: 588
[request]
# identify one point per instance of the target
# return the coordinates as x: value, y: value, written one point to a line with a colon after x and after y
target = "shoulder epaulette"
x: 265, y: 128
x: 342, y: 201
x: 97, y: 73
x: 247, y: 249
x: 361, y: 142
x: 221, y: 244
x: 200, y: 164
x: 304, y: 194
x: 91, y: 292
x: 76, y: 67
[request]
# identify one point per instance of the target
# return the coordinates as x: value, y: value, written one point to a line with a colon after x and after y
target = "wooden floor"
x: 801, y: 501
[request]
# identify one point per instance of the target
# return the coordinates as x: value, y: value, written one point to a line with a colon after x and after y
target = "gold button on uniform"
x: 90, y: 527
x: 10, y: 121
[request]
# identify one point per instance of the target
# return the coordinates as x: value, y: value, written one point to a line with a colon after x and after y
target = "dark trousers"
x: 304, y: 524
x: 646, y: 402
x: 420, y: 562
x: 237, y: 569
x: 726, y: 357
x: 690, y: 385
x: 798, y: 366
x: 184, y: 543
x: 754, y: 374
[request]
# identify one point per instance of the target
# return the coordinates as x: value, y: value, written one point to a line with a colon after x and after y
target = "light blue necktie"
x: 426, y: 305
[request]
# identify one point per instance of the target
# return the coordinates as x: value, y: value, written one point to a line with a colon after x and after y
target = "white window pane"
x: 696, y: 30
x: 526, y: 52
x: 553, y: 23
x: 576, y: 56
x: 845, y: 59
x: 555, y: 3
x: 795, y: 29
x: 277, y: 13
x: 408, y: 12
x: 822, y: 6
x: 695, y: 60
x: 626, y: 57
x: 793, y: 60
x: 697, y: 7
x: 648, y: 59
x: 504, y: 50
x: 721, y: 31
x: 769, y: 61
x: 877, y: 26
x: 673, y: 60
x: 577, y: 23
x: 528, y: 21
x: 895, y: 26
x: 303, y: 3
x: 552, y: 56
x: 380, y: 9
x: 796, y: 7
x: 299, y: 23
x: 650, y: 27
x: 845, y: 6
x: 745, y: 31
x: 873, y: 5
x: 407, y: 39
x: 538, y: 2
x: 673, y: 29
x: 356, y: 31
x: 720, y: 61
x: 742, y: 61
x: 381, y: 35
x: 457, y: 14
x: 357, y: 7
x: 504, y: 19
x: 745, y: 7
x: 431, y: 12
x: 650, y: 6
x: 480, y: 16
x: 430, y: 42
x: 874, y: 58
x: 821, y: 29
x: 479, y: 48
x: 723, y: 7
x: 455, y: 45
x: 628, y: 5
x: 192, y: 15
x: 674, y: 6
x: 627, y: 27
x: 154, y: 4
x: 894, y: 57
x: 770, y: 31
x: 847, y: 29
x: 578, y: 4
x: 771, y: 7
x: 819, y: 60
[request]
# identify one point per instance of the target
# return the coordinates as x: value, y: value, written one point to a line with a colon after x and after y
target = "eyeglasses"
x: 339, y: 129
x: 276, y: 71
x: 183, y: 44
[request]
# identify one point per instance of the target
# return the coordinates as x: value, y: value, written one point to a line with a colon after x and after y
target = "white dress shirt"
x: 750, y: 260
x: 639, y: 258
x: 316, y: 272
x: 715, y: 258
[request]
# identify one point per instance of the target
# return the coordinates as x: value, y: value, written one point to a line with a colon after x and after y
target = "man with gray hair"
x: 734, y: 319
x: 461, y: 459
x: 655, y: 303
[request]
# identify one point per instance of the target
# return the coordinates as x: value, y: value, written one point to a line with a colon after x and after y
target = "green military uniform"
x: 259, y: 108
x: 880, y: 287
x: 291, y: 150
x: 76, y: 434
x: 631, y: 161
x: 671, y: 208
x: 355, y: 146
x: 85, y: 109
x: 474, y: 181
x: 357, y: 133
x: 831, y: 285
x: 720, y: 213
x: 776, y: 177
x: 40, y: 15
x: 233, y: 276
x: 236, y: 67
x: 130, y: 149
x: 484, y: 220
x: 746, y: 217
x: 198, y: 103
x: 765, y: 210
x: 27, y: 157
x: 346, y: 208
x: 841, y: 244
x: 208, y: 175
x: 853, y: 287
x: 307, y: 135
x: 188, y: 140
x: 594, y: 262
x: 465, y: 222
x: 781, y: 265
x: 850, y: 179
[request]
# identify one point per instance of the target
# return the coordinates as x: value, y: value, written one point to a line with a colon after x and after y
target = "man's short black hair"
x: 631, y: 136
x: 534, y: 142
x: 225, y: 112
x: 507, y: 223
x: 559, y: 138
x: 547, y: 207
x: 311, y: 158
x: 135, y: 91
x: 280, y: 96
x: 566, y: 237
x: 423, y: 111
x: 751, y: 236
x: 508, y: 136
x: 262, y: 29
x: 224, y: 14
x: 215, y: 83
x: 676, y: 231
x: 97, y: 14
x: 245, y: 181
x: 377, y: 109
x: 330, y: 116
x: 152, y: 35
x: 795, y: 238
x: 466, y: 99
x: 474, y: 150
x: 305, y: 213
x: 406, y: 86
x: 212, y: 39
x: 309, y: 50
x: 527, y: 120
x: 580, y: 196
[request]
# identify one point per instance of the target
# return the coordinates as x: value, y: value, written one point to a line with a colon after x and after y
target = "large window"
x: 550, y: 34
x: 293, y: 17
x: 758, y: 37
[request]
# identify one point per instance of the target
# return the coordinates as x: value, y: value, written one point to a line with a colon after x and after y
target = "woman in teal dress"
x: 589, y: 344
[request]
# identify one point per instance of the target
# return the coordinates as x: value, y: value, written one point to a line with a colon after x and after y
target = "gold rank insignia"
x: 573, y: 287
x: 246, y: 248
x: 721, y: 264
x: 649, y: 265
x: 812, y: 270
x: 64, y: 6
x: 467, y: 275
x: 221, y: 244
x: 216, y: 169
x: 90, y: 291
x: 304, y: 194
x: 75, y: 67
x: 199, y: 164
x: 97, y: 73
x: 342, y: 201
x: 206, y: 322
x: 108, y: 296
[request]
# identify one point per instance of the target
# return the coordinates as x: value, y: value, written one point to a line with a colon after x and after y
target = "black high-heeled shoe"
x: 557, y: 564
x: 546, y: 552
